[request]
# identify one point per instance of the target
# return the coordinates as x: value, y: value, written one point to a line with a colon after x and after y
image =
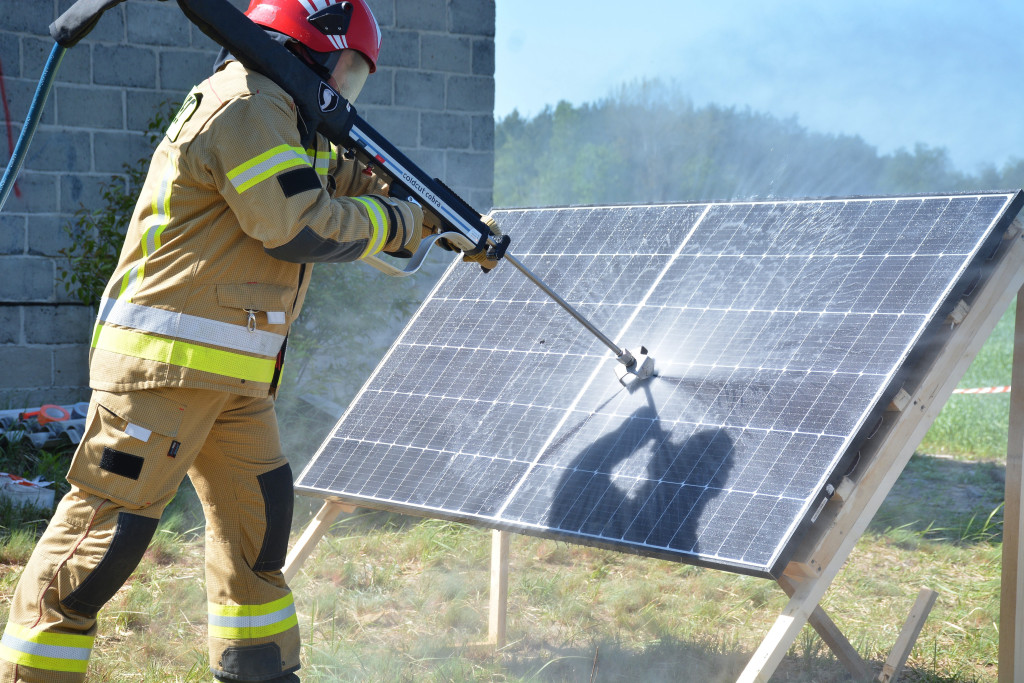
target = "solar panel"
x: 780, y: 331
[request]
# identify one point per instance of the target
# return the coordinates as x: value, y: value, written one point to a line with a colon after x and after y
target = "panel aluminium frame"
x: 809, y: 577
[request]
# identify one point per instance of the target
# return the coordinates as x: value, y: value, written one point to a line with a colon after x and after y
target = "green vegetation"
x: 648, y: 143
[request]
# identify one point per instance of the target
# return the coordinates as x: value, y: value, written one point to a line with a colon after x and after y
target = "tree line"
x: 648, y: 143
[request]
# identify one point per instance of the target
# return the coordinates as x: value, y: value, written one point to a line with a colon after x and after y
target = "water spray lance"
x: 324, y: 110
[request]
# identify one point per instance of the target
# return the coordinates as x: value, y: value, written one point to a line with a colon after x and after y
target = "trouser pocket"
x: 130, y: 453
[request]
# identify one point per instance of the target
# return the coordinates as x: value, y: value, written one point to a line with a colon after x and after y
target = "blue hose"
x: 35, y: 112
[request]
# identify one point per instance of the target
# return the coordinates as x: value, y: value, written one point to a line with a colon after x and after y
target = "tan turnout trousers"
x: 137, y: 449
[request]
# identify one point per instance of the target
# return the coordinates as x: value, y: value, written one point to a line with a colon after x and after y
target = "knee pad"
x: 132, y: 535
x: 278, y: 501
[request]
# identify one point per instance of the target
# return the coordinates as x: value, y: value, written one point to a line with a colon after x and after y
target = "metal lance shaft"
x: 623, y: 355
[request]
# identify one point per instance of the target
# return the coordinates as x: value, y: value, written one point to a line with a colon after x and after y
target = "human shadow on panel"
x: 640, y: 483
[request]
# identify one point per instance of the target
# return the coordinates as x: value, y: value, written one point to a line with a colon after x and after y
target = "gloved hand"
x: 485, y: 257
x: 404, y: 226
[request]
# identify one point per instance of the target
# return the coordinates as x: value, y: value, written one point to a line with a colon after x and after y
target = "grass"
x: 390, y: 598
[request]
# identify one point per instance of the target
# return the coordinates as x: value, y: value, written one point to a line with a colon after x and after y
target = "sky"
x: 946, y: 73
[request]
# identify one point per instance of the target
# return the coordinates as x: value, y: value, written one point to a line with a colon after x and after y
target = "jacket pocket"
x: 129, y: 454
x: 251, y: 298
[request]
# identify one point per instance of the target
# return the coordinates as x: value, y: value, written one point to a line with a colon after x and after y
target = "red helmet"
x: 320, y: 25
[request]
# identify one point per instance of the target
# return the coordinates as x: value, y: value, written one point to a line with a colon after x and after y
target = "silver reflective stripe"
x: 323, y: 164
x: 252, y: 622
x: 266, y: 167
x: 39, y: 650
x: 189, y: 327
x: 151, y: 235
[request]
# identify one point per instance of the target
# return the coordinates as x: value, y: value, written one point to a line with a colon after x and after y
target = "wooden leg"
x: 313, y: 533
x: 784, y: 631
x: 833, y: 637
x: 499, y: 588
x: 1011, y: 614
x: 908, y: 636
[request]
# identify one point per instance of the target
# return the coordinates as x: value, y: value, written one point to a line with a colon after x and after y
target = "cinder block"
x: 430, y: 160
x: 34, y: 193
x: 156, y: 23
x: 71, y: 363
x: 471, y: 170
x: 421, y: 15
x: 25, y: 367
x: 27, y: 278
x: 113, y: 150
x: 10, y: 54
x: 446, y: 53
x: 12, y: 233
x: 89, y: 107
x: 420, y: 89
x: 75, y: 67
x: 483, y: 133
x: 20, y: 15
x: 399, y: 48
x: 475, y: 17
x: 383, y: 12
x: 124, y: 65
x: 10, y: 325
x: 83, y: 190
x: 483, y: 57
x: 481, y: 200
x: 109, y: 29
x: 46, y: 234
x: 143, y: 105
x: 445, y: 131
x: 67, y: 324
x: 60, y: 150
x: 19, y: 98
x: 471, y: 93
x: 182, y: 69
x: 379, y: 89
x: 400, y: 126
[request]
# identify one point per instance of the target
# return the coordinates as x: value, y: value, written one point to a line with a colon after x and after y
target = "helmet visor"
x: 350, y: 73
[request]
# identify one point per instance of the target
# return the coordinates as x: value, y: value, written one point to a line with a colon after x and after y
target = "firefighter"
x: 187, y: 351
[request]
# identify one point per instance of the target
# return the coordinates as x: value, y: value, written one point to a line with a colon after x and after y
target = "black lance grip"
x: 78, y: 20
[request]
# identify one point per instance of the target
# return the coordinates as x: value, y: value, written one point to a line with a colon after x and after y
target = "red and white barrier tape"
x: 983, y: 390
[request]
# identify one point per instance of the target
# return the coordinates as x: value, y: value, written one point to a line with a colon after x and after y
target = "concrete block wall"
x: 433, y: 96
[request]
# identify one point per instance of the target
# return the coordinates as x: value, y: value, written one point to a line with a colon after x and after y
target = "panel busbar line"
x: 779, y: 330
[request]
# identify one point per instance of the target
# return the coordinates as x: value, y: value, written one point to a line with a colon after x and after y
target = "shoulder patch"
x: 188, y: 108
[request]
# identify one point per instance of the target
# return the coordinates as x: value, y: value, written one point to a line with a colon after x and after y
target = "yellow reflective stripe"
x: 236, y: 622
x: 176, y: 352
x: 322, y: 162
x: 271, y: 162
x: 243, y: 632
x: 47, y: 638
x: 378, y: 224
x: 44, y: 650
x: 250, y: 610
x: 42, y: 662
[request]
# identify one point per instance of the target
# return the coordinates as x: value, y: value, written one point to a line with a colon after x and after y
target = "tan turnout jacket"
x: 216, y: 261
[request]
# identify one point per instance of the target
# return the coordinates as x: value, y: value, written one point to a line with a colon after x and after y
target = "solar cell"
x: 780, y: 331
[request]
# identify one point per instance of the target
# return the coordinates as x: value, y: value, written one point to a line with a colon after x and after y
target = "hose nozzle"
x: 634, y: 369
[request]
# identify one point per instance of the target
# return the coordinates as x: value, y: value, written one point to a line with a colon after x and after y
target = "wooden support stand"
x: 312, y: 534
x: 844, y: 519
x: 499, y: 588
x: 1011, y: 612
